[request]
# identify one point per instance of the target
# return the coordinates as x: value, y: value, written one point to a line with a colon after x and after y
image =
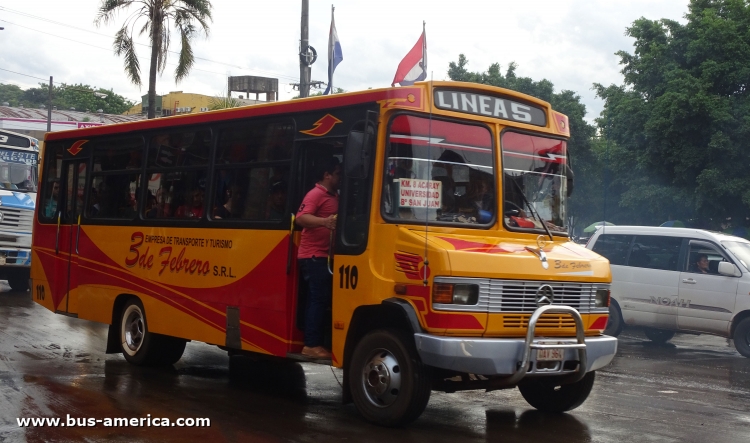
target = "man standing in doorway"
x: 317, y: 215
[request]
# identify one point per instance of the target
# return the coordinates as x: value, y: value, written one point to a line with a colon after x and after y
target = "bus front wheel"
x: 548, y: 396
x: 390, y: 386
x: 141, y: 347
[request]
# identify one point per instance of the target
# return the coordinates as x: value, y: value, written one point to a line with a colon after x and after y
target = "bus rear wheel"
x: 19, y: 283
x: 141, y: 347
x: 549, y: 396
x: 390, y: 386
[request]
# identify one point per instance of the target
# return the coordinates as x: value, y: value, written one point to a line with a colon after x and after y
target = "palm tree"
x: 189, y: 17
x: 220, y: 102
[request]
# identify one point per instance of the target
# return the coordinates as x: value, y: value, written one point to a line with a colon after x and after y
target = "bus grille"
x: 15, y: 222
x: 519, y: 296
x: 547, y: 321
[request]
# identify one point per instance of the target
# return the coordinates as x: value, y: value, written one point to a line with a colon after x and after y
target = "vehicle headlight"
x: 601, y: 300
x: 455, y: 293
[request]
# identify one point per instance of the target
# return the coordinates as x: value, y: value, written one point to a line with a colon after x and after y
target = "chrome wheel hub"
x: 133, y: 329
x: 381, y: 378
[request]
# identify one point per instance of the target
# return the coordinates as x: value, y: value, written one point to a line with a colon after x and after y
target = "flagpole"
x: 331, y: 49
x: 424, y: 48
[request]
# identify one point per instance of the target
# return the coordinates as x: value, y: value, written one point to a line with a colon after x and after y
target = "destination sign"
x: 490, y: 106
x: 11, y: 156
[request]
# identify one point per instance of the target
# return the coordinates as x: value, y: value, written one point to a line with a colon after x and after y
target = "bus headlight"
x: 602, y: 298
x: 455, y: 293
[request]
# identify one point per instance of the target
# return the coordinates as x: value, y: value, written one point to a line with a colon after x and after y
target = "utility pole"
x: 49, y: 106
x: 304, y: 64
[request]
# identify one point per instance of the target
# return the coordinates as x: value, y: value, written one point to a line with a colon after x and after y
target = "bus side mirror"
x: 359, y: 148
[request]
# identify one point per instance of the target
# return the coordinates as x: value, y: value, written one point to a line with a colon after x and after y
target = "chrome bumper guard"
x: 513, y: 357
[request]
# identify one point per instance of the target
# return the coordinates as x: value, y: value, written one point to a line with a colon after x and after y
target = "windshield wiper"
x: 533, y: 211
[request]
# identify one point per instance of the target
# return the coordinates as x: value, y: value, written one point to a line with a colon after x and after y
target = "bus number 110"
x: 350, y: 276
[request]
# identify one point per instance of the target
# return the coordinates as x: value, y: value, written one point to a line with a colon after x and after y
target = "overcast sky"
x: 572, y: 43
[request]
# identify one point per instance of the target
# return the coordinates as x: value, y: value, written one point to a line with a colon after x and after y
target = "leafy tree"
x: 79, y: 96
x: 681, y: 120
x: 10, y: 94
x: 583, y: 159
x: 189, y: 17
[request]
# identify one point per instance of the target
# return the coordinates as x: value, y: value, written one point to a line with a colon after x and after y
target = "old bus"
x: 19, y: 154
x: 451, y: 262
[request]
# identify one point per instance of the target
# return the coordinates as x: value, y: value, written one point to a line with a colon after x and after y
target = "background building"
x: 33, y: 121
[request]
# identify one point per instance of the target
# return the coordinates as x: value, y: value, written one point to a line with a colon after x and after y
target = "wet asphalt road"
x: 696, y: 389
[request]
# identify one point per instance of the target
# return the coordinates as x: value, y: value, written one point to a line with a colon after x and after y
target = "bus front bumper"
x: 502, y: 356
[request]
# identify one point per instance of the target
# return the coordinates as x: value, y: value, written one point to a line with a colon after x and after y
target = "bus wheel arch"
x: 394, y: 313
x: 129, y: 334
x: 389, y: 383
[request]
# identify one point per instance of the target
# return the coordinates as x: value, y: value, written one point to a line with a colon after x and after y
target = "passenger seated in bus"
x: 94, y: 206
x: 442, y: 171
x: 224, y: 211
x: 194, y: 209
x: 127, y: 206
x: 51, y: 207
x: 482, y: 197
x: 152, y: 209
x: 276, y: 207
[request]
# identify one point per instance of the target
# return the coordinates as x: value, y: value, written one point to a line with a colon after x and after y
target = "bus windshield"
x: 438, y: 170
x: 535, y: 185
x: 18, y: 170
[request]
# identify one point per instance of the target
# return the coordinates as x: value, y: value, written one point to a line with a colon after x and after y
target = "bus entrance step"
x: 300, y: 357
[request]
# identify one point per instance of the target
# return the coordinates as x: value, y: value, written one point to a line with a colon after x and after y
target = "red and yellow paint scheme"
x: 187, y: 277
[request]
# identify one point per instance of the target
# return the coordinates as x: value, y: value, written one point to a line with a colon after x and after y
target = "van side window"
x: 614, y: 247
x: 655, y: 252
x: 704, y: 259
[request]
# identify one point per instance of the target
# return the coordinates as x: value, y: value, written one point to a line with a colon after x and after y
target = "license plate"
x: 549, y: 354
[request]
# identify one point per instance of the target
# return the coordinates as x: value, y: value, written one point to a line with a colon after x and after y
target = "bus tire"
x: 547, y: 395
x: 614, y: 322
x: 741, y: 337
x: 389, y: 384
x: 17, y: 283
x: 141, y: 347
x: 660, y: 336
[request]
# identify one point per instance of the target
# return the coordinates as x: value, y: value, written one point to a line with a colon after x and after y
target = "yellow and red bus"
x: 451, y: 263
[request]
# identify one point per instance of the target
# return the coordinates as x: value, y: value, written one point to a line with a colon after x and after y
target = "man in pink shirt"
x: 317, y: 215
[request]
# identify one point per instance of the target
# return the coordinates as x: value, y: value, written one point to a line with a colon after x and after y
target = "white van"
x: 677, y: 280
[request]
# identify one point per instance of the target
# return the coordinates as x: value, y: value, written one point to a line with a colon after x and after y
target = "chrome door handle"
x: 689, y: 281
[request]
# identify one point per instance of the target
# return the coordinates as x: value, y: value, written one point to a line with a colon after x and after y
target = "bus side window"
x: 253, y: 159
x: 116, y: 179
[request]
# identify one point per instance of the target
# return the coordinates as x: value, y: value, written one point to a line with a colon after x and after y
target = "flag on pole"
x: 413, y: 67
x: 334, y: 54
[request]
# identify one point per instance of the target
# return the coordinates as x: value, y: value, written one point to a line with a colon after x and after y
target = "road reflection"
x: 532, y: 425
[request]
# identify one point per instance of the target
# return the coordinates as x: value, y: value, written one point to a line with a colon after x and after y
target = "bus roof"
x: 414, y: 97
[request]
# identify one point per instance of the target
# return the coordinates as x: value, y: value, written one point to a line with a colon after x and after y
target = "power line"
x: 2, y: 8
x: 143, y: 59
x: 62, y: 84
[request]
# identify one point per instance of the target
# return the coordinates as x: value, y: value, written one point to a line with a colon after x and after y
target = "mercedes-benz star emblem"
x: 545, y: 295
x: 541, y: 241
